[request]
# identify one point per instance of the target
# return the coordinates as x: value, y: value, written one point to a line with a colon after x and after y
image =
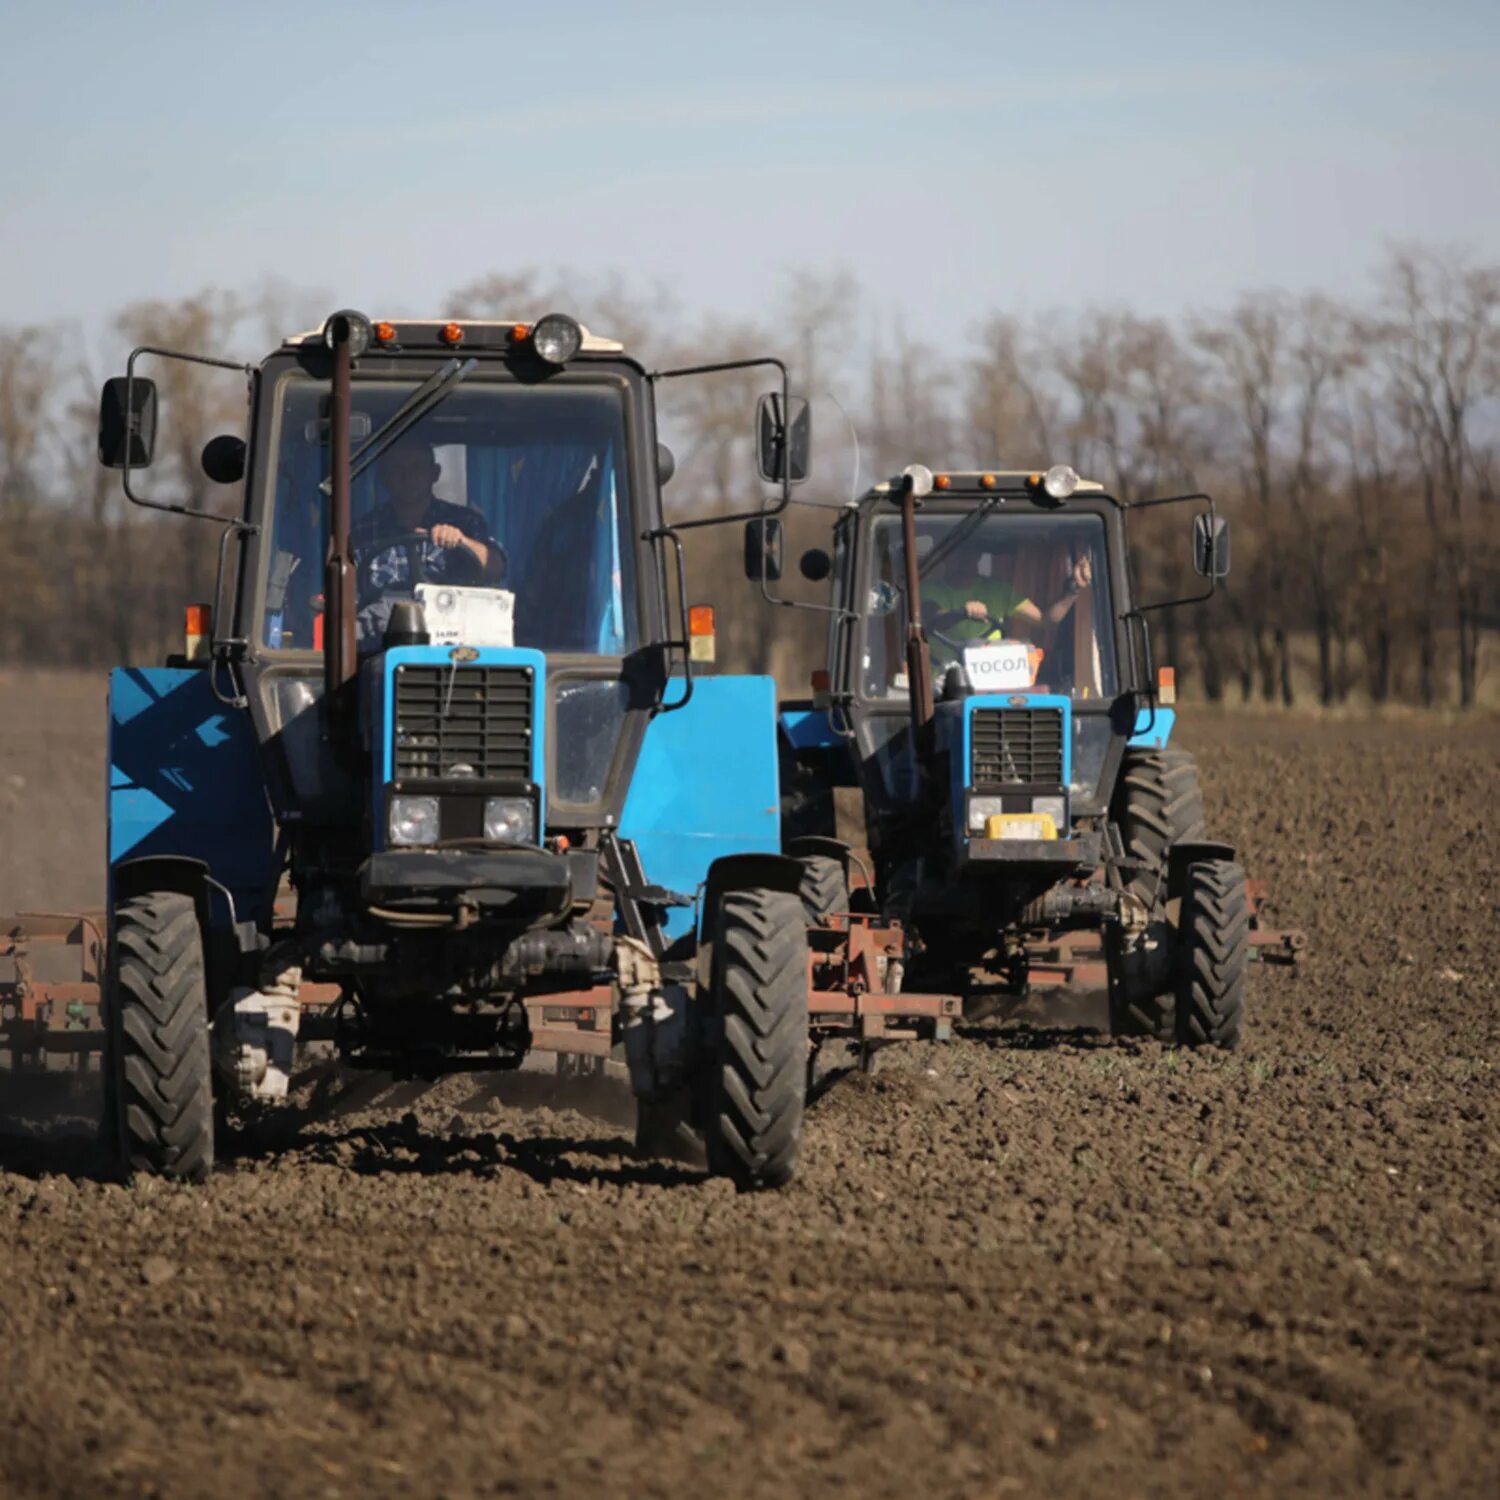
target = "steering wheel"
x: 993, y: 626
x: 411, y: 543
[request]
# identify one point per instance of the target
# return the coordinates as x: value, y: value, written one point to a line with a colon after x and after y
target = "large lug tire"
x: 756, y: 1078
x: 157, y: 1039
x: 1213, y: 935
x: 1158, y: 802
x: 824, y: 889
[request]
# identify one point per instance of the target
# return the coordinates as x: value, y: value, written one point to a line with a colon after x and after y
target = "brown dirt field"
x: 1019, y: 1263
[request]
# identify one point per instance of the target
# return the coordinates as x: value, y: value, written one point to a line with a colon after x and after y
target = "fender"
x: 738, y: 872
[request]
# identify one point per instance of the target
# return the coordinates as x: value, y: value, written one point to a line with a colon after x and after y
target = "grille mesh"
x: 1016, y: 745
x: 462, y: 722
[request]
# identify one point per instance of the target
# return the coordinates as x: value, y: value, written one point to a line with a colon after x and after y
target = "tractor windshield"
x: 520, y: 493
x: 1022, y: 601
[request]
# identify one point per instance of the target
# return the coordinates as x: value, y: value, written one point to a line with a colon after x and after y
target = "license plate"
x: 1023, y: 828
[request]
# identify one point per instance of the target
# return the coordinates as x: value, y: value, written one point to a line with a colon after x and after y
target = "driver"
x: 451, y: 543
x: 967, y: 602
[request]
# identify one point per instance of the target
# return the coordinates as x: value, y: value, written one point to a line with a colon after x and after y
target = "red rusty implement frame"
x: 851, y: 962
x: 48, y: 1016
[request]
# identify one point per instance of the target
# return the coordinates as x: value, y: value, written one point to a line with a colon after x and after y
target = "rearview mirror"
x: 224, y: 458
x: 764, y: 543
x: 1211, y: 546
x: 784, y: 438
x: 816, y: 565
x: 127, y: 422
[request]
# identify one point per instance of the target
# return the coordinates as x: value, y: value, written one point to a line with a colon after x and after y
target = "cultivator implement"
x: 1076, y: 960
x: 44, y: 1018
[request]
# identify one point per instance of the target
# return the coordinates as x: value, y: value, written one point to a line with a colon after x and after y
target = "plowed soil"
x: 1024, y: 1262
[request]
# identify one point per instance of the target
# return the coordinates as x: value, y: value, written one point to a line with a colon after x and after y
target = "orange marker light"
x: 452, y: 334
x: 941, y: 482
x: 197, y: 630
x: 1166, y: 685
x: 1033, y: 480
x: 385, y: 333
x: 701, y: 643
x: 520, y: 332
x: 987, y: 481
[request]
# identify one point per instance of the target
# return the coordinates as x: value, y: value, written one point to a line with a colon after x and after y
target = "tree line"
x: 1353, y: 440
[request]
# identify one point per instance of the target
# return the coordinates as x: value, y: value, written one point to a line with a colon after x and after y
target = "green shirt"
x: 1000, y: 599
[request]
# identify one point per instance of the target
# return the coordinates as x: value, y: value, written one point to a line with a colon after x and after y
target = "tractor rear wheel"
x: 824, y: 889
x: 157, y: 1040
x: 1158, y: 802
x: 1213, y: 934
x: 756, y: 1081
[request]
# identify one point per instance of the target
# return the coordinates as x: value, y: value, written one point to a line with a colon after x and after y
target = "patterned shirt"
x: 389, y: 569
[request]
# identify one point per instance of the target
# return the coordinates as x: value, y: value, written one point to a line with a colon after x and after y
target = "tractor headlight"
x: 557, y: 338
x: 510, y: 820
x: 1055, y: 808
x: 413, y: 820
x: 982, y: 809
x: 1060, y: 481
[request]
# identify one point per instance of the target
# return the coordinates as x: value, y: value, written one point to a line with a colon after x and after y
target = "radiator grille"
x: 463, y: 722
x: 1016, y: 745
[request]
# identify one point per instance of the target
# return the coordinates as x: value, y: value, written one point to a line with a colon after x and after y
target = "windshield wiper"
x: 958, y: 536
x: 437, y: 387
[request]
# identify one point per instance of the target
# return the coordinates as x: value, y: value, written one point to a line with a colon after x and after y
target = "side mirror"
x: 666, y: 463
x: 224, y: 459
x: 764, y: 544
x: 816, y: 565
x: 127, y: 422
x: 1211, y: 546
x: 784, y: 438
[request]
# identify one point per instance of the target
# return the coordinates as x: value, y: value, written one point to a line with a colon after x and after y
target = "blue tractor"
x: 442, y: 776
x: 988, y: 758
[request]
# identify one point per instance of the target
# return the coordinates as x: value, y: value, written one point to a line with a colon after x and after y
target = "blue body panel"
x: 706, y: 784
x: 185, y: 779
x: 954, y: 724
x: 809, y: 729
x: 1153, y: 728
x: 382, y: 670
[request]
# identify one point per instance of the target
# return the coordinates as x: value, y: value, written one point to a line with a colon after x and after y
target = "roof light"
x: 451, y: 333
x: 348, y: 327
x: 919, y: 479
x: 385, y: 333
x: 557, y: 338
x: 1060, y: 482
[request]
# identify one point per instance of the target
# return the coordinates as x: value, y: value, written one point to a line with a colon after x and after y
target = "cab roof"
x: 480, y: 333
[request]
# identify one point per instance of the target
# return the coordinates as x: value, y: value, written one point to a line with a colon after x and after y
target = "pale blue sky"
x: 956, y: 157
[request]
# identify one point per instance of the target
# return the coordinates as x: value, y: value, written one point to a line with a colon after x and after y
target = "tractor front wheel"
x: 160, y: 1090
x: 756, y: 1083
x: 1158, y: 802
x: 1213, y: 934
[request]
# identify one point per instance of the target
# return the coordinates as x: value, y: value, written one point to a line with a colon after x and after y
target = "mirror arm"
x: 786, y: 469
x: 192, y: 359
x: 1213, y: 582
